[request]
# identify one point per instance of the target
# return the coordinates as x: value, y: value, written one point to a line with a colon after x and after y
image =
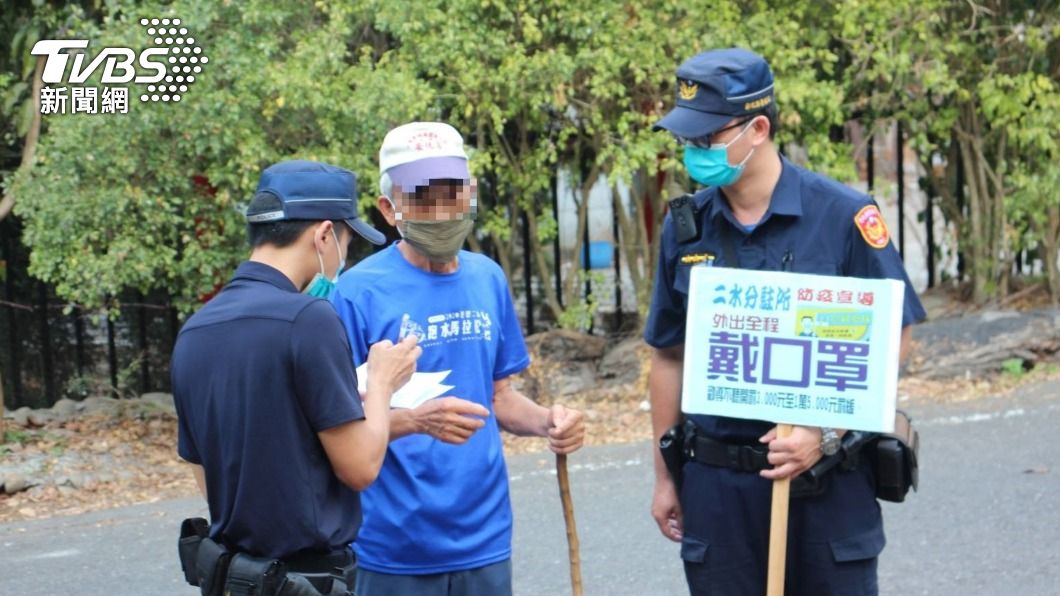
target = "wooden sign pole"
x: 778, y: 528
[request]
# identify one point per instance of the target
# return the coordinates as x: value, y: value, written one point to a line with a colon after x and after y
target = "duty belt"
x: 323, y: 569
x: 754, y: 458
x: 743, y: 458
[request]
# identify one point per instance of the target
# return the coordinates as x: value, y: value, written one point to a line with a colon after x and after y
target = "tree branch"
x: 29, y: 149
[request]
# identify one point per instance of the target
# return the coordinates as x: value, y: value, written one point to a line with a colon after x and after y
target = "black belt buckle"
x: 747, y: 459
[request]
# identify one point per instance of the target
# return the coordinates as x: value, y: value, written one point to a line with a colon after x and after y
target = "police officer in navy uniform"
x: 759, y: 211
x: 266, y: 394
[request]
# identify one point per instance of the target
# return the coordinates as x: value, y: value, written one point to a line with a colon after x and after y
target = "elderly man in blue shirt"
x: 438, y: 521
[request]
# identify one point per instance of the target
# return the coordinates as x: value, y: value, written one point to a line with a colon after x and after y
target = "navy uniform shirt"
x: 809, y: 227
x: 257, y: 373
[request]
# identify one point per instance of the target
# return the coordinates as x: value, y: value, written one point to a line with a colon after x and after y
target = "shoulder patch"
x: 870, y: 223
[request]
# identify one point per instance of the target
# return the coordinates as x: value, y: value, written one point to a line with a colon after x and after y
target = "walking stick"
x: 568, y: 518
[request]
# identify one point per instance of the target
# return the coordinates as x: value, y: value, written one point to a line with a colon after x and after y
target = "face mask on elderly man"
x: 436, y: 219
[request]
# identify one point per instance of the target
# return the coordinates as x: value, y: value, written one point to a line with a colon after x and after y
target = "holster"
x: 255, y: 576
x: 813, y: 482
x: 203, y: 561
x: 192, y: 531
x: 211, y: 566
x: 896, y: 460
x: 672, y: 447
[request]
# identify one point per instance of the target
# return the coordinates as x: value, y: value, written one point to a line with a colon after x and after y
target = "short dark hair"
x: 280, y: 234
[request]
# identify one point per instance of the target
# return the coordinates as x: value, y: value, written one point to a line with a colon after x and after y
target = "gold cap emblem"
x: 687, y: 90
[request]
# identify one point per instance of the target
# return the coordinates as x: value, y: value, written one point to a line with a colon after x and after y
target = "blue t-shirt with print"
x: 436, y: 507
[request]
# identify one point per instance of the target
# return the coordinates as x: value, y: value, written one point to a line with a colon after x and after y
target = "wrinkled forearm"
x: 403, y: 422
x: 520, y: 415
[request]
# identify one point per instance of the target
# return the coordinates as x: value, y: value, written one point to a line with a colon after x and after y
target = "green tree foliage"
x: 978, y: 84
x: 151, y: 199
x: 576, y: 85
x: 22, y: 25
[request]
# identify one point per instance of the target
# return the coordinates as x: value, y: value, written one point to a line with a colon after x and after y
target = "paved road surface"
x: 986, y: 521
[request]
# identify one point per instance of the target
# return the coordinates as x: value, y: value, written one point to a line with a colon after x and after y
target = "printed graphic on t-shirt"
x: 461, y: 325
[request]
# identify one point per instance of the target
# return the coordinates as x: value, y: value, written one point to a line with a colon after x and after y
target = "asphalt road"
x: 985, y: 522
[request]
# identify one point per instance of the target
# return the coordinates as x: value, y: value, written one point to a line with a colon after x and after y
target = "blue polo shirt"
x: 257, y: 373
x: 809, y: 227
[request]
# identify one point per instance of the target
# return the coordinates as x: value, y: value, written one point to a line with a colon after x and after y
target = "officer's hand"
x: 666, y: 510
x: 450, y: 419
x: 391, y: 365
x: 795, y: 454
x: 566, y: 429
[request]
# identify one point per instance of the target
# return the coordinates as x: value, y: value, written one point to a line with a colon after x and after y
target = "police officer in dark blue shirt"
x: 761, y: 212
x: 265, y: 390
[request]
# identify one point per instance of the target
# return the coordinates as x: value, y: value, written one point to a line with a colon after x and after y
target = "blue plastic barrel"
x: 600, y: 254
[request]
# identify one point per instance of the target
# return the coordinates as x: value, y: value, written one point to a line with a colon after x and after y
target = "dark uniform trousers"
x: 834, y: 538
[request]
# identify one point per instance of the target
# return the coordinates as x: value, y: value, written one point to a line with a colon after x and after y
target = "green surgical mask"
x: 321, y: 286
x: 439, y: 241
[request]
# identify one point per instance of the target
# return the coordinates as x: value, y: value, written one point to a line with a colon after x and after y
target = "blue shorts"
x: 491, y: 580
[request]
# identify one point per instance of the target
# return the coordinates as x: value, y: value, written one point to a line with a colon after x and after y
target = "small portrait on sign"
x: 806, y: 324
x: 848, y: 324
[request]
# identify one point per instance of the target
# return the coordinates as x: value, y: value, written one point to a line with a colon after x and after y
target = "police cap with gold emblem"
x: 716, y: 86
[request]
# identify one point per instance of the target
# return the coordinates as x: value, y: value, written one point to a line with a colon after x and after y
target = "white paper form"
x: 420, y: 388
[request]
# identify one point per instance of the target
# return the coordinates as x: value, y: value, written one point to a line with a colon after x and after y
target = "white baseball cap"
x: 414, y: 154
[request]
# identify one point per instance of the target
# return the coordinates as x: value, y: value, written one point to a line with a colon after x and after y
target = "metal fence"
x: 51, y: 349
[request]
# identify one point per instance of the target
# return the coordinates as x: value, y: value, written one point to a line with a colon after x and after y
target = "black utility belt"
x: 743, y: 458
x: 892, y: 458
x: 751, y: 459
x: 216, y: 570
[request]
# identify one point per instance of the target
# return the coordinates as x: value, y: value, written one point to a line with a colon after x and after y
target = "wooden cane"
x: 572, y: 530
x: 778, y: 528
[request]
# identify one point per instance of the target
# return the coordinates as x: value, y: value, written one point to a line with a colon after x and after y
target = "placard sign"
x: 793, y: 348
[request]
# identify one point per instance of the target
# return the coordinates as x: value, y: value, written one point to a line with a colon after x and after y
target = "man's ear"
x: 387, y: 209
x: 322, y: 236
x: 760, y: 129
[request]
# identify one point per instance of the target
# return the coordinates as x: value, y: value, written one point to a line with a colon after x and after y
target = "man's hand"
x: 566, y: 429
x: 795, y: 454
x: 666, y: 509
x: 391, y: 365
x: 357, y: 448
x: 450, y: 419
